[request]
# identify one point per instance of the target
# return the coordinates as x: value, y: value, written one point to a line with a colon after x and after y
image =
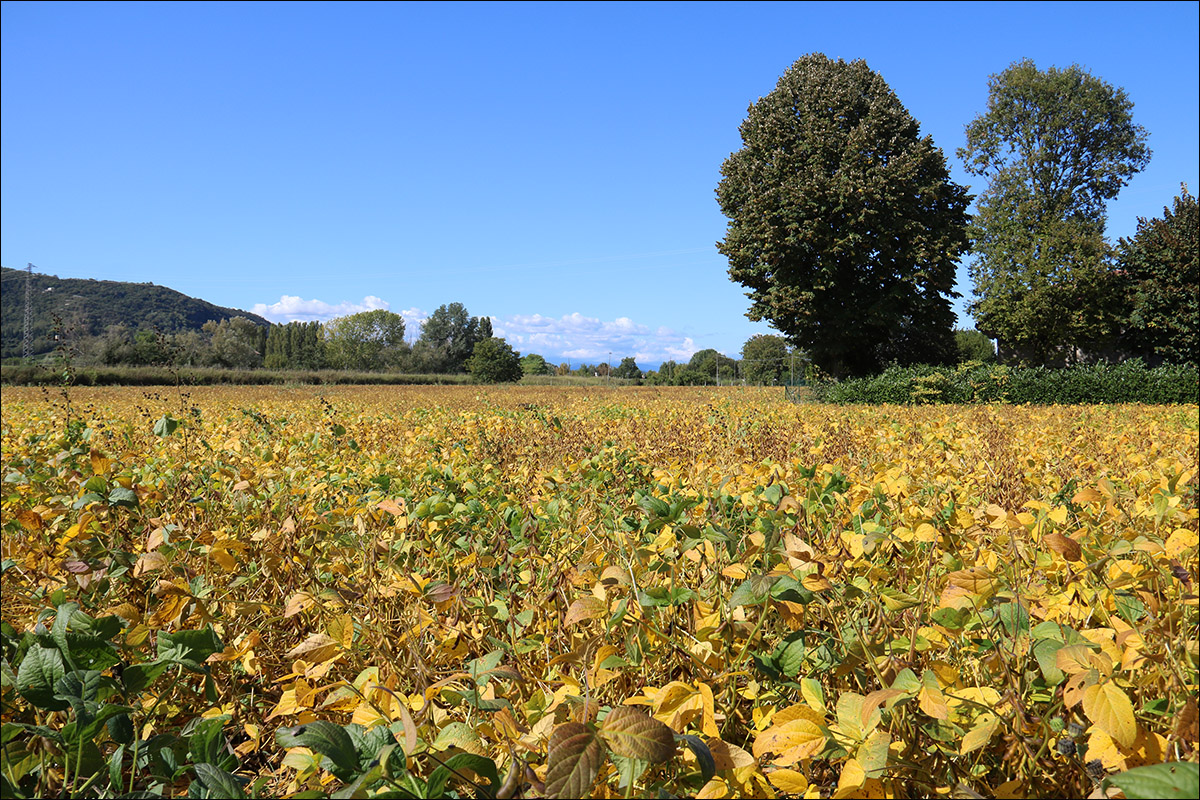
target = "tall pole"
x: 27, y: 343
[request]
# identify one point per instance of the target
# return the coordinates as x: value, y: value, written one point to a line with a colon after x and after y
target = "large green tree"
x: 1055, y: 146
x: 236, y: 343
x: 843, y: 221
x: 766, y: 359
x: 708, y: 364
x: 296, y: 345
x: 534, y: 364
x: 1161, y: 265
x: 368, y: 340
x: 494, y: 361
x: 448, y: 338
x: 974, y: 346
x: 628, y: 369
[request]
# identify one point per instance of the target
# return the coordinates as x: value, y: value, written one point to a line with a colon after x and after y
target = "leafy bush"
x: 975, y: 382
x: 64, y: 669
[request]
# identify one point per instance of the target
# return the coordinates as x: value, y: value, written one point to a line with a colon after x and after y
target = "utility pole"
x: 27, y: 344
x: 717, y: 370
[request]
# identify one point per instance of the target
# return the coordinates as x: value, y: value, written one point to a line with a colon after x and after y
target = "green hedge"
x: 209, y: 376
x: 973, y: 382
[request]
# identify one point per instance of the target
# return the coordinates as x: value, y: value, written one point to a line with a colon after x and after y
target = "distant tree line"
x: 766, y: 360
x: 451, y: 342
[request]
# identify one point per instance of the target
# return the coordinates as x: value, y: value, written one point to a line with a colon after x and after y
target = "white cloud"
x: 296, y: 309
x: 589, y: 339
x: 573, y: 337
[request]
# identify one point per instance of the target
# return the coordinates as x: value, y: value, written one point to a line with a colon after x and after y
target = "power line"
x: 27, y: 343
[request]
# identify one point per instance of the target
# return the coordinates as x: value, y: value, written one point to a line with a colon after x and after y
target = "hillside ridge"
x: 88, y: 306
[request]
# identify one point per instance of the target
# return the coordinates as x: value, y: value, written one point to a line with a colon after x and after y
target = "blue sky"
x: 552, y: 166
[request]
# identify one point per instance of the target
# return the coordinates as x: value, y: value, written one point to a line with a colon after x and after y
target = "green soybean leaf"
x: 1176, y: 780
x: 440, y: 777
x: 219, y: 782
x: 704, y: 756
x: 326, y: 738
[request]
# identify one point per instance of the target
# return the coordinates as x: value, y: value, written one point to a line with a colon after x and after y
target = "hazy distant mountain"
x: 87, y: 307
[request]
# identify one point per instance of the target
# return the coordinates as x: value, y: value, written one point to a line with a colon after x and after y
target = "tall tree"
x: 709, y: 364
x: 974, y: 346
x: 235, y: 343
x: 534, y: 364
x: 843, y: 221
x: 494, y: 361
x: 1161, y: 265
x: 628, y: 368
x: 765, y: 359
x: 368, y: 340
x: 449, y: 336
x: 1055, y: 146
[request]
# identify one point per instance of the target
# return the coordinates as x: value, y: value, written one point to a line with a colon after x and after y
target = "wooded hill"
x: 87, y: 307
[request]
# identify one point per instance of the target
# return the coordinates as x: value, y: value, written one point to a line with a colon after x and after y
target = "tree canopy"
x: 974, y: 346
x: 448, y: 338
x: 765, y: 359
x: 843, y: 221
x: 368, y: 340
x: 1055, y: 146
x: 534, y: 364
x: 296, y: 345
x: 708, y: 364
x: 1161, y: 265
x: 628, y: 368
x: 494, y: 361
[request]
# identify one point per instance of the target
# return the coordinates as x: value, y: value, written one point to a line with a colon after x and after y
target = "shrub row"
x: 208, y: 376
x: 973, y: 382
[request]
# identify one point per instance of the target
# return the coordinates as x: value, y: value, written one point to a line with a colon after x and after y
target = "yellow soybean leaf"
x: 872, y: 754
x: 931, y: 699
x: 301, y: 759
x: 789, y: 742
x: 318, y: 647
x: 981, y: 734
x: 926, y: 533
x: 1148, y: 748
x: 854, y: 718
x: 298, y: 602
x: 221, y: 553
x: 789, y: 781
x: 708, y: 719
x: 341, y: 630
x: 728, y: 756
x: 715, y: 789
x: 798, y: 711
x: 852, y: 779
x: 148, y: 562
x: 1074, y: 658
x: 1108, y: 706
x: 1180, y: 541
x: 975, y: 580
x: 100, y: 463
x: 585, y: 608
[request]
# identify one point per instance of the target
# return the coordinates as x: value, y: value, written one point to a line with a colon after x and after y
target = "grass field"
x: 403, y: 591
